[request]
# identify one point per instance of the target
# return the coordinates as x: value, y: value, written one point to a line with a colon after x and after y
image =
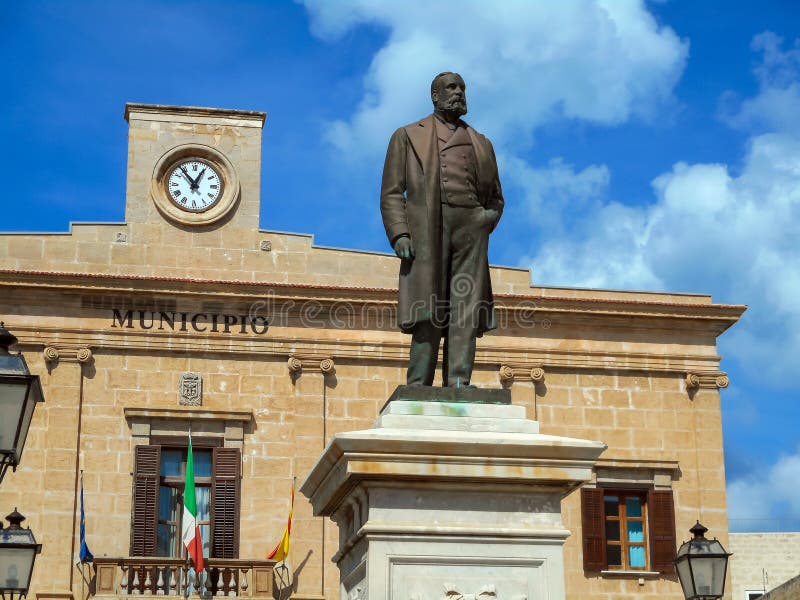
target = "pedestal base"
x: 449, y: 500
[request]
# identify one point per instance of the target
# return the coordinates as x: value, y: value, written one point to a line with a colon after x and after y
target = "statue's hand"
x: 403, y: 247
x: 492, y: 216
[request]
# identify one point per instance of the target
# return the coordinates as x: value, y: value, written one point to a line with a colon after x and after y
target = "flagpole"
x: 186, y: 569
x: 83, y: 575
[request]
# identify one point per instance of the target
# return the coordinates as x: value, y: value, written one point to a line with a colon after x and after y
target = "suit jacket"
x: 411, y: 205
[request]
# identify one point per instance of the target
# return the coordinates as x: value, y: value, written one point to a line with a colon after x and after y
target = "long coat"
x: 411, y: 205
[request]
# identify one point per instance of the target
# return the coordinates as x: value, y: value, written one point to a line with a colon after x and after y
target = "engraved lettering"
x: 126, y: 321
x: 196, y: 318
x: 142, y: 320
x: 169, y: 318
x: 254, y: 325
x: 229, y: 320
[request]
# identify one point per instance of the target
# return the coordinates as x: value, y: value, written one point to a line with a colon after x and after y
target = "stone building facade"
x: 293, y: 343
x: 762, y: 562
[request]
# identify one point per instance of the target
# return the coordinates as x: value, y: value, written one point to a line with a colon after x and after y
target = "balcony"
x: 153, y: 576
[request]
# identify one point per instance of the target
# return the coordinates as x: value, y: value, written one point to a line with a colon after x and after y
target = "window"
x: 751, y: 595
x: 626, y: 533
x: 157, y: 506
x: 628, y: 530
x: 170, y: 499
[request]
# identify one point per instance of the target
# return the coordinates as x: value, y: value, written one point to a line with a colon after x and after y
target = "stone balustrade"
x: 154, y: 576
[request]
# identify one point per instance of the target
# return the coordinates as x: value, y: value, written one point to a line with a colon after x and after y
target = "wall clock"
x: 194, y: 184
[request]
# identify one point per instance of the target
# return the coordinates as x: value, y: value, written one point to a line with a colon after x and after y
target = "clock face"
x: 194, y: 185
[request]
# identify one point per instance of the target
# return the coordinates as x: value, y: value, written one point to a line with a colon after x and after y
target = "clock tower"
x: 193, y: 169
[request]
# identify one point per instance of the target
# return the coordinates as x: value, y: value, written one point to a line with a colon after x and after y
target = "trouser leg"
x: 468, y: 248
x: 460, y: 356
x: 424, y: 353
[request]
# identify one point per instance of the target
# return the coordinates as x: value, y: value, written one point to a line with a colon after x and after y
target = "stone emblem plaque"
x: 190, y: 389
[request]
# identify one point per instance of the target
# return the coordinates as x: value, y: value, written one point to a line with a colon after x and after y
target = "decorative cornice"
x: 537, y: 307
x: 176, y: 113
x: 188, y: 414
x: 706, y: 379
x: 53, y: 354
x: 384, y: 347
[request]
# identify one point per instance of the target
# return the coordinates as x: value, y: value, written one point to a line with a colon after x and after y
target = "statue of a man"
x: 440, y: 200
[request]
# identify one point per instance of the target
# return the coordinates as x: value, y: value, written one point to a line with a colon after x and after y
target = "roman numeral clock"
x: 194, y: 184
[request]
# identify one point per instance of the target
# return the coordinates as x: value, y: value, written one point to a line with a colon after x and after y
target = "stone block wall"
x: 763, y: 561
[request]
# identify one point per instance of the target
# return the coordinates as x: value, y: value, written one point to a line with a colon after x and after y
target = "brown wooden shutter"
x: 144, y: 509
x: 593, y: 518
x: 225, y: 486
x: 661, y: 511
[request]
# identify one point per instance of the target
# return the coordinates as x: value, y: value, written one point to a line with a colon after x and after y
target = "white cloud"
x: 524, y: 63
x: 546, y: 190
x: 775, y: 107
x: 708, y: 230
x: 770, y: 492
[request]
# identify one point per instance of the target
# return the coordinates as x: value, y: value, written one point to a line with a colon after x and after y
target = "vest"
x: 457, y: 167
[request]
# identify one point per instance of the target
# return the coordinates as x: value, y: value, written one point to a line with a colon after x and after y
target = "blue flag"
x: 85, y: 554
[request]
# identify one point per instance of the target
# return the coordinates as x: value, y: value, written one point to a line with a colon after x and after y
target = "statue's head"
x: 449, y: 94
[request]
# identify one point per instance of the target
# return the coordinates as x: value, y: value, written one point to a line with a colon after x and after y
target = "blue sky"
x: 642, y: 145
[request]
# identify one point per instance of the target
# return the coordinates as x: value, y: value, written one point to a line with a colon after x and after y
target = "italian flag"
x: 191, y: 530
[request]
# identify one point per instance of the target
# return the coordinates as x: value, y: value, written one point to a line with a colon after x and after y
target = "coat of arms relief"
x: 190, y: 389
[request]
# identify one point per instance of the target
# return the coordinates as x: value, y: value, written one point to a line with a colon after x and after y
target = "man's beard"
x: 455, y: 107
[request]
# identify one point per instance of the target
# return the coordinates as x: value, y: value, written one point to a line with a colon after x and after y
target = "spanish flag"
x: 281, y: 551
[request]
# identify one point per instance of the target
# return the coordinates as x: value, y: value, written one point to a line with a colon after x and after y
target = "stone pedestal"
x: 449, y: 500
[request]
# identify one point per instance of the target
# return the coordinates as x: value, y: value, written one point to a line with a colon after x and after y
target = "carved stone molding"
x: 451, y: 592
x: 508, y: 373
x: 299, y: 363
x: 53, y: 354
x: 706, y: 379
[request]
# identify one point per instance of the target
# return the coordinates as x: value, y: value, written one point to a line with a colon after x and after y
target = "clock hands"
x: 192, y: 183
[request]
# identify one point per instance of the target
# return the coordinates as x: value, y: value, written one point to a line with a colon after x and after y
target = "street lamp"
x: 19, y: 393
x: 701, y: 566
x: 18, y: 550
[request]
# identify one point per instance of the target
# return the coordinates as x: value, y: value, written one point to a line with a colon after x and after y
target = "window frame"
x: 622, y: 518
x: 225, y: 515
x: 658, y: 512
x: 178, y: 483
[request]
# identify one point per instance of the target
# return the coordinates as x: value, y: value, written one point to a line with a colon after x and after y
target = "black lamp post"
x: 702, y: 565
x: 19, y: 393
x: 18, y: 550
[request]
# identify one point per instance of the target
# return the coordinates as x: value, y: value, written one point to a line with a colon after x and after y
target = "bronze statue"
x: 440, y: 200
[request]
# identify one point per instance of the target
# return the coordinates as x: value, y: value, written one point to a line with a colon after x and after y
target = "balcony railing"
x: 153, y: 576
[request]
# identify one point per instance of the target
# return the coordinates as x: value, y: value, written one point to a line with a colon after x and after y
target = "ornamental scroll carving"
x: 54, y: 354
x: 706, y: 379
x: 509, y: 373
x: 485, y: 592
x: 297, y: 364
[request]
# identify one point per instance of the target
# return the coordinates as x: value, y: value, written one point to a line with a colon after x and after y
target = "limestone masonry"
x: 295, y: 343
